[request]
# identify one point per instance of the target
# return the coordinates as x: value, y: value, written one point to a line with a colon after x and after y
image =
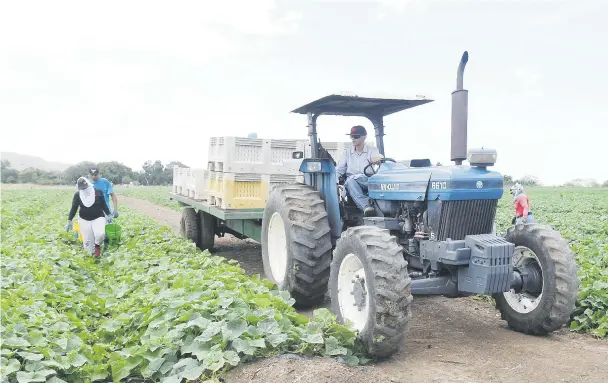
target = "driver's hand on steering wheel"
x: 377, y: 158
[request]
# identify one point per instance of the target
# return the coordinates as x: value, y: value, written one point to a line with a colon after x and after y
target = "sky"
x: 138, y: 80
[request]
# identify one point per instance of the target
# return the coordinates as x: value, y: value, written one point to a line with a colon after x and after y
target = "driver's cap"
x: 357, y: 130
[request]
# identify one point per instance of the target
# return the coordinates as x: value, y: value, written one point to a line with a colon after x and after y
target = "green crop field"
x: 158, y: 308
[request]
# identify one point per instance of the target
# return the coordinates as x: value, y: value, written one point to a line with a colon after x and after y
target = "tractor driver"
x: 352, y: 164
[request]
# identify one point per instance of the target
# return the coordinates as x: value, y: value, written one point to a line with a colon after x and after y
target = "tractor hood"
x: 396, y: 182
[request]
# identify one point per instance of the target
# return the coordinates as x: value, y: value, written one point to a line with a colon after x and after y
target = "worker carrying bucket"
x: 523, y: 214
x: 93, y: 215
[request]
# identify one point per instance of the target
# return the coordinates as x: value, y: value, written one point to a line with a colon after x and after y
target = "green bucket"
x: 113, y: 233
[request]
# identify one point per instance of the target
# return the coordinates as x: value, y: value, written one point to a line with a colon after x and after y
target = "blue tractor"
x: 432, y: 235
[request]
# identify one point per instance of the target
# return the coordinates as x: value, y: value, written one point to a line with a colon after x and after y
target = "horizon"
x: 159, y: 87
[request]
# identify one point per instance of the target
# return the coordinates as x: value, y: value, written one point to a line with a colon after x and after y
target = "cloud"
x: 126, y: 71
x: 392, y: 8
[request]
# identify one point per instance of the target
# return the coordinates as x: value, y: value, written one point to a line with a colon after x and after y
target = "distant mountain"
x: 23, y: 161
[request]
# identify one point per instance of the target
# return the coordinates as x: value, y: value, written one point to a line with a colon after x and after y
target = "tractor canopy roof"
x: 342, y: 105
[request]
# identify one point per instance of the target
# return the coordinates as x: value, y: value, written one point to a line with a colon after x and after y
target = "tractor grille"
x: 461, y: 218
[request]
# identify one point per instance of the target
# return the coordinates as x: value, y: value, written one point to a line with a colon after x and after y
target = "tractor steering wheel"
x: 377, y: 166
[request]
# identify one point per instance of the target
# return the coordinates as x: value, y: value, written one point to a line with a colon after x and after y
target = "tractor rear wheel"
x: 548, y: 305
x: 189, y: 224
x: 296, y: 242
x: 371, y: 288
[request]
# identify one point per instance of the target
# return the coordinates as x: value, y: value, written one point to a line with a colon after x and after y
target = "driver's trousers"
x: 357, y: 189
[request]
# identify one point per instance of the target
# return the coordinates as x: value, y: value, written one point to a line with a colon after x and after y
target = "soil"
x: 451, y: 340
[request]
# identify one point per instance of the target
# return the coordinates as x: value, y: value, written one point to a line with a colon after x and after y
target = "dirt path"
x: 451, y: 340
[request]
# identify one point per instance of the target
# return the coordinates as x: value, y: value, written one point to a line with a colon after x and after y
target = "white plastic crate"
x: 252, y: 155
x: 180, y: 180
x: 244, y: 190
x: 335, y: 149
x: 201, y: 184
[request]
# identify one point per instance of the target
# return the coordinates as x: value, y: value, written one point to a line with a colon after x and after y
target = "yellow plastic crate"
x: 244, y: 190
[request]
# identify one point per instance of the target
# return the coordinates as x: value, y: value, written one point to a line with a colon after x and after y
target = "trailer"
x: 201, y: 222
x: 230, y: 194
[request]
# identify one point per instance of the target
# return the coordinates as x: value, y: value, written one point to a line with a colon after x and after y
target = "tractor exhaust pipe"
x: 460, y: 107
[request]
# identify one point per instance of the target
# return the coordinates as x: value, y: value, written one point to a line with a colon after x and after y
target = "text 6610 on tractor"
x: 432, y: 235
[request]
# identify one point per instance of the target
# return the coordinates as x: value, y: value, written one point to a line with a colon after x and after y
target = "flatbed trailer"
x: 201, y: 222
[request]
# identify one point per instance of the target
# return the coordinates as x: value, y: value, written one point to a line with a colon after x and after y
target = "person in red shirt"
x: 523, y: 214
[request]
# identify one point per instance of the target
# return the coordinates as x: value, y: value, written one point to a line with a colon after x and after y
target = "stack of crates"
x: 335, y: 149
x: 179, y: 180
x: 244, y: 170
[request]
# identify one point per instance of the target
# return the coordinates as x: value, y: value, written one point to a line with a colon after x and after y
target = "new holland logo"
x: 389, y: 186
x: 479, y: 185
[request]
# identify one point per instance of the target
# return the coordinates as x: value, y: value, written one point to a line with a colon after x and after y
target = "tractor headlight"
x: 482, y: 157
x: 313, y: 166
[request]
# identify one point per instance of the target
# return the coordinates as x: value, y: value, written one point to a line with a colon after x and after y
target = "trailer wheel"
x: 547, y: 305
x: 206, y: 223
x: 189, y: 224
x: 296, y: 243
x: 371, y: 288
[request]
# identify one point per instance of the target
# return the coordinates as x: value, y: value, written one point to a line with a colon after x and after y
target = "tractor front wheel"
x: 546, y: 304
x: 296, y: 243
x: 370, y: 288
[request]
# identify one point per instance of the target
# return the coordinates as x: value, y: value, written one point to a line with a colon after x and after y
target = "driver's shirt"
x: 353, y: 162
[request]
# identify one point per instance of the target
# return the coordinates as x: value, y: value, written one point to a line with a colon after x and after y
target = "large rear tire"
x: 189, y: 224
x: 371, y: 288
x: 542, y: 248
x: 296, y: 242
x: 207, y: 223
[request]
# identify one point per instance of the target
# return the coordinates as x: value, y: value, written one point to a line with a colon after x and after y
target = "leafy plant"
x: 155, y: 308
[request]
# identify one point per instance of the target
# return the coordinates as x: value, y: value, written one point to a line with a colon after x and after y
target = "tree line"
x: 151, y: 173
x: 157, y: 173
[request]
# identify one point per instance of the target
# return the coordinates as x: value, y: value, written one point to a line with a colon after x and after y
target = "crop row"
x: 155, y: 307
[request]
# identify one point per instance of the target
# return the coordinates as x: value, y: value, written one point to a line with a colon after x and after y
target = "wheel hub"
x: 359, y: 292
x: 353, y: 292
x: 527, y: 288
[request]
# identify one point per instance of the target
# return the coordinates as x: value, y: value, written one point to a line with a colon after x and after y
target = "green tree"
x: 8, y: 175
x: 29, y: 176
x: 116, y: 172
x: 81, y: 169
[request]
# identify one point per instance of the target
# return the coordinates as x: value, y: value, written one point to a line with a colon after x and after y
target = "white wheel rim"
x: 351, y: 268
x: 523, y: 302
x: 277, y: 248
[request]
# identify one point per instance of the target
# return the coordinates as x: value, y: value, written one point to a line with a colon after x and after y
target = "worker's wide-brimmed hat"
x: 357, y: 130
